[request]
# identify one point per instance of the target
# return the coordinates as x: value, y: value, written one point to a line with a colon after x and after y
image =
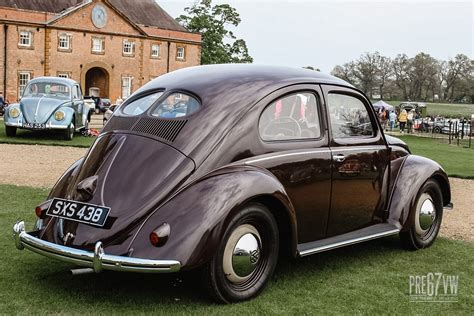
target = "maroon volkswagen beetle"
x: 221, y: 168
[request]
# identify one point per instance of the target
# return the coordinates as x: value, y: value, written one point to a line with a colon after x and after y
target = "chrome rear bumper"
x: 96, y: 260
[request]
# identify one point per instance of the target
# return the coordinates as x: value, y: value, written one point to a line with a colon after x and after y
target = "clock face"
x: 99, y: 16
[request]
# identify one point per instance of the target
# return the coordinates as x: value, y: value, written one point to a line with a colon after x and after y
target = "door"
x: 360, y: 162
x: 297, y: 153
x: 78, y: 105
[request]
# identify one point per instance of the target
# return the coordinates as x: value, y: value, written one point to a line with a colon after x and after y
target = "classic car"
x: 219, y: 169
x: 49, y: 103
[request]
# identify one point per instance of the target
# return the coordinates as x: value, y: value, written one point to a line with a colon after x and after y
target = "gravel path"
x: 41, y: 166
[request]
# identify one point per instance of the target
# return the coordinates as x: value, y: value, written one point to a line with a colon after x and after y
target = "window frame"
x: 30, y: 39
x: 130, y: 87
x: 30, y: 77
x: 178, y: 58
x: 102, y: 45
x: 132, y: 48
x: 158, y: 56
x: 67, y: 49
x: 319, y: 109
x: 377, y: 136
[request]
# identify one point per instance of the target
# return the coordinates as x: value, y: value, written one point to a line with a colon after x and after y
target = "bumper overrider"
x: 96, y: 260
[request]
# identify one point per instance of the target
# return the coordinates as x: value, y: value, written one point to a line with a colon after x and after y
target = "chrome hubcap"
x: 242, y: 253
x: 426, y: 214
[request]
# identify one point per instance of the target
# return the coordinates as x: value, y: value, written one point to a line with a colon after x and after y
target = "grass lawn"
x: 367, y: 278
x: 446, y: 109
x: 43, y: 138
x: 458, y: 161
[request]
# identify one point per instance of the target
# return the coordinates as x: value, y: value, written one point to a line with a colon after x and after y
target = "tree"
x: 457, y: 69
x: 365, y: 71
x: 384, y: 71
x: 219, y: 45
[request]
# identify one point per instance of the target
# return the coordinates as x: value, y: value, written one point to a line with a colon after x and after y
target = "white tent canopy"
x: 382, y: 105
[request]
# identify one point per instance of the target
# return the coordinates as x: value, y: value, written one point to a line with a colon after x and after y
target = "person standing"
x: 392, y: 117
x: 410, y: 117
x: 402, y: 120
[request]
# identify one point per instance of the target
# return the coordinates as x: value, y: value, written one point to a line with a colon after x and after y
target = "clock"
x: 99, y: 16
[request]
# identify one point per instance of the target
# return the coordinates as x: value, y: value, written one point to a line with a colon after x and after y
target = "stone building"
x: 111, y: 47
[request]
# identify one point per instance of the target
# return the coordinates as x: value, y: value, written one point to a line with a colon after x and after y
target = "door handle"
x: 339, y: 158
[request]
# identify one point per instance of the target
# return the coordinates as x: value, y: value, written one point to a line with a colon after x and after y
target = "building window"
x: 23, y: 78
x: 180, y: 53
x: 25, y: 39
x: 155, y: 50
x: 128, y: 48
x: 64, y: 42
x: 98, y: 45
x: 126, y: 87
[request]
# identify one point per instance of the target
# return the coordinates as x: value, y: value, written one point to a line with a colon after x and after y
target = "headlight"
x: 59, y: 115
x: 14, y: 112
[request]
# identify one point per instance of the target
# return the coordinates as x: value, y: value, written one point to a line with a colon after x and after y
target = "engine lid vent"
x: 119, y: 123
x: 165, y: 129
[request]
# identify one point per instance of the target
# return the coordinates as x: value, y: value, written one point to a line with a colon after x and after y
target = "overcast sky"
x: 324, y: 33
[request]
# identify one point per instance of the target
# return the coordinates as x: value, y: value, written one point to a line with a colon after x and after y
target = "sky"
x: 323, y: 34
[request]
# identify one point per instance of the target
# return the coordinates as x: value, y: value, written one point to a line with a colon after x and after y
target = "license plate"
x: 34, y: 125
x: 80, y: 212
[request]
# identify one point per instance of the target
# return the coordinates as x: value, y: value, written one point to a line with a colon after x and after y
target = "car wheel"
x: 437, y: 129
x: 69, y: 132
x: 10, y: 131
x: 246, y: 256
x: 425, y: 218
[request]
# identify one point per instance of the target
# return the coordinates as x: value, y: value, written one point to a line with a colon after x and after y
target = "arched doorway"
x: 97, y: 82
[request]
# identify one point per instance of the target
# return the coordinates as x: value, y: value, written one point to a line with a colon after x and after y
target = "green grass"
x: 446, y: 109
x: 51, y: 138
x: 458, y: 161
x: 369, y: 278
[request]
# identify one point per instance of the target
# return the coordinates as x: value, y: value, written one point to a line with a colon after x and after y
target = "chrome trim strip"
x: 348, y: 242
x: 287, y: 155
x: 314, y: 151
x: 96, y: 260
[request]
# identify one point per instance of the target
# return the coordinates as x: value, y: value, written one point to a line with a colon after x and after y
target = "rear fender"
x: 200, y: 213
x: 413, y: 173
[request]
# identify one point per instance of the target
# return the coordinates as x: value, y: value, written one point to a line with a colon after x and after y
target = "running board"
x: 361, y: 235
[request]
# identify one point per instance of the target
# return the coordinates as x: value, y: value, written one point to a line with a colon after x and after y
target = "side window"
x: 349, y: 117
x: 293, y: 117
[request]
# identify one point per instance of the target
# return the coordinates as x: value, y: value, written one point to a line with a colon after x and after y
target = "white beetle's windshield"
x: 47, y: 88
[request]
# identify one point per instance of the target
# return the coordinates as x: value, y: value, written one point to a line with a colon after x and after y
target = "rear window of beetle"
x: 173, y: 105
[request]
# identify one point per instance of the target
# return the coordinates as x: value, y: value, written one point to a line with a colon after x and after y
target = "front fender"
x: 68, y: 117
x: 10, y: 121
x: 413, y: 173
x: 199, y: 214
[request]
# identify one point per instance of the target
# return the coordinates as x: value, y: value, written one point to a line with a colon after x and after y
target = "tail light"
x: 41, y: 209
x: 160, y: 235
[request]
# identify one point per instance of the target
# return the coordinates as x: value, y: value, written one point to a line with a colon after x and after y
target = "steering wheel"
x: 284, y: 127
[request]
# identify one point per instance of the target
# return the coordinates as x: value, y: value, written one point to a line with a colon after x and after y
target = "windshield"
x: 47, y: 88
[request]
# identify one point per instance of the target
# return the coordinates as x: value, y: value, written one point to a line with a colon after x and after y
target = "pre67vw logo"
x: 80, y: 212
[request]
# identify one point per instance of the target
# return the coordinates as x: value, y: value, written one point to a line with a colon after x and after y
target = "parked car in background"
x: 101, y: 104
x: 108, y: 113
x: 219, y: 169
x: 49, y: 103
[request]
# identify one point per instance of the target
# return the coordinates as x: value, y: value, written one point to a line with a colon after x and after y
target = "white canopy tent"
x: 382, y: 105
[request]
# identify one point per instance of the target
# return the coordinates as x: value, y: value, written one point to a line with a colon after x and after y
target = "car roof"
x: 65, y: 81
x: 226, y: 93
x: 220, y: 80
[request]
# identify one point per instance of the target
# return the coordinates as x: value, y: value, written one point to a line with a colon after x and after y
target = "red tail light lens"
x: 39, y: 211
x: 159, y: 236
x: 154, y: 239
